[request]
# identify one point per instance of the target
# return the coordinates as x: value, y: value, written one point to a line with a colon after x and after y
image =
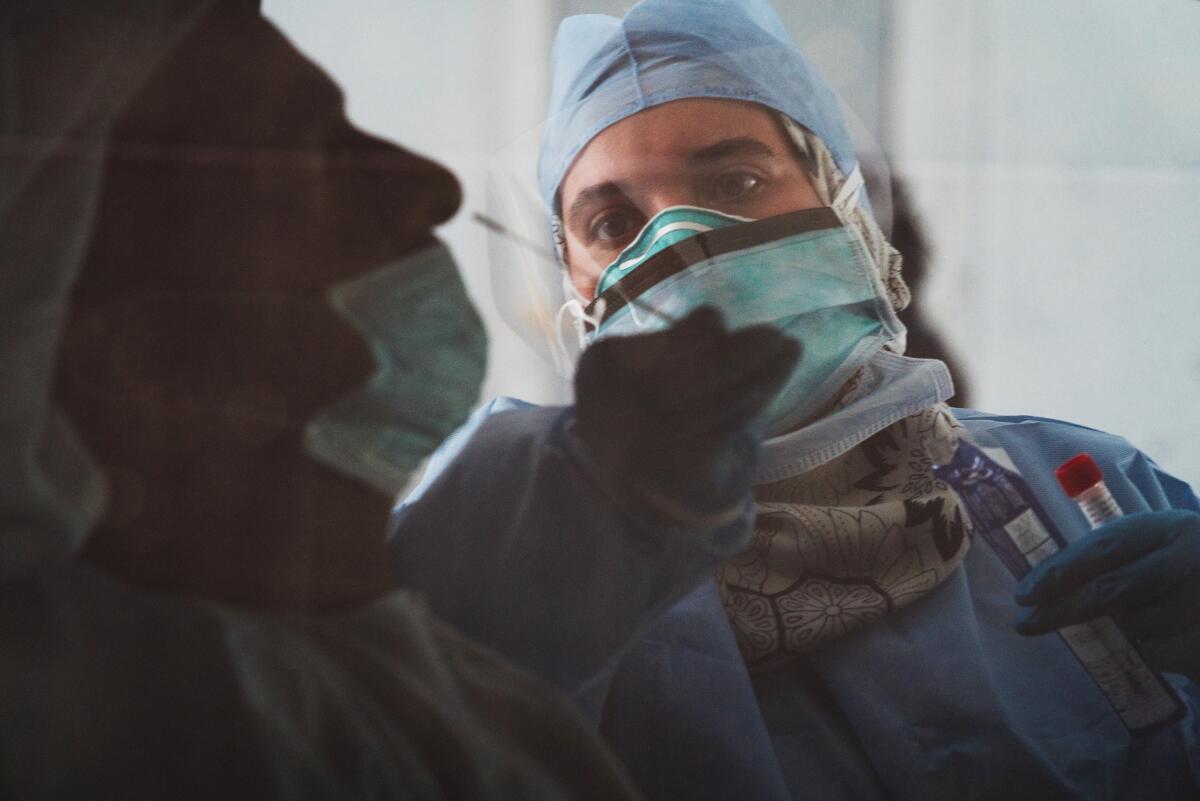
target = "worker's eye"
x: 731, y: 187
x: 613, y: 228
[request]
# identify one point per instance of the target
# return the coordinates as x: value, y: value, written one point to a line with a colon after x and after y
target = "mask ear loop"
x: 574, y: 305
x: 846, y: 199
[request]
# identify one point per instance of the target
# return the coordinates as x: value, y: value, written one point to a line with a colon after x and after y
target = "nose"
x: 413, y: 194
x: 662, y: 198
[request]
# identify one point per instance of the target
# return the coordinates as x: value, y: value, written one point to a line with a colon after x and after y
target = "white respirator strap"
x: 575, y: 306
x: 846, y: 199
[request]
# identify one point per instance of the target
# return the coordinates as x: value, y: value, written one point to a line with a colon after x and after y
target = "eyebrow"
x: 738, y: 146
x: 597, y: 193
x: 742, y: 146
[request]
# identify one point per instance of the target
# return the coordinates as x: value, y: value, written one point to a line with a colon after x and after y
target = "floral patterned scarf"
x: 842, y: 545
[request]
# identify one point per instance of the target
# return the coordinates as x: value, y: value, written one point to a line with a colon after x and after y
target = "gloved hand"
x: 1143, y: 569
x: 667, y: 418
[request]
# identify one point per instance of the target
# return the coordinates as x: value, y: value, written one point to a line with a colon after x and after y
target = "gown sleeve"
x: 513, y: 540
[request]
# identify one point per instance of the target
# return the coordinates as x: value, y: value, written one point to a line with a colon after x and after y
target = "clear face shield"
x: 543, y: 281
x: 526, y: 273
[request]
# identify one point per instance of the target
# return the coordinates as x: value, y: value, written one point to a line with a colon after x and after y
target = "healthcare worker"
x: 855, y: 641
x: 201, y: 258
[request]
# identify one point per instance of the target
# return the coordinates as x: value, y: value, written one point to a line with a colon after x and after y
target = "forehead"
x: 659, y: 140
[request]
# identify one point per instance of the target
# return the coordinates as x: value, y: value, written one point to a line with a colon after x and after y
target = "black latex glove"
x: 667, y: 417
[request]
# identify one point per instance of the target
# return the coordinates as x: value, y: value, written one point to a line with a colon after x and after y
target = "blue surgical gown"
x: 512, y: 542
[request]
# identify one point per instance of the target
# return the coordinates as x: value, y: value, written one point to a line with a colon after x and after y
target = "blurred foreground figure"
x: 923, y: 341
x: 812, y: 618
x: 227, y: 335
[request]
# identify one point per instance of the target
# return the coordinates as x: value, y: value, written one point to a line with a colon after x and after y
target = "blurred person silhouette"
x: 910, y: 240
x: 227, y: 336
x: 736, y: 554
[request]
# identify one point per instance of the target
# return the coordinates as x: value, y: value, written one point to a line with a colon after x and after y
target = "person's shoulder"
x: 977, y: 420
x: 501, y: 416
x: 1043, y: 443
x: 505, y: 424
x: 1047, y: 440
x: 978, y: 416
x: 501, y: 434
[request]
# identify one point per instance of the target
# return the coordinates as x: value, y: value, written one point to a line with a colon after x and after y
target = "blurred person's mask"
x: 804, y: 273
x: 430, y: 350
x: 265, y: 363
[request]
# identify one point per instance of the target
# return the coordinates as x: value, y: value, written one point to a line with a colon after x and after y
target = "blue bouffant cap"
x: 604, y: 69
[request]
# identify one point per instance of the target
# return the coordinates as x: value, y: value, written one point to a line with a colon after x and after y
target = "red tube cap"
x: 1078, y: 474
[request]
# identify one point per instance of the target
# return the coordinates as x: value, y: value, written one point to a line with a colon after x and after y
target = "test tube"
x: 1082, y: 479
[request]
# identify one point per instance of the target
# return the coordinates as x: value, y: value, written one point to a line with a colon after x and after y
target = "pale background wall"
x: 1053, y: 151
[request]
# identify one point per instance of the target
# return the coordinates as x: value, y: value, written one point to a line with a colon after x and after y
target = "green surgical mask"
x: 430, y: 350
x: 804, y: 273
